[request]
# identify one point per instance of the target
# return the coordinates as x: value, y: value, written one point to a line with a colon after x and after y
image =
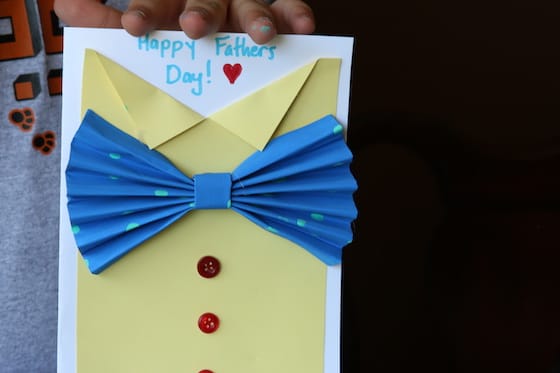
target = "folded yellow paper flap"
x: 157, y: 117
x: 317, y: 98
x: 99, y: 94
x: 263, y: 110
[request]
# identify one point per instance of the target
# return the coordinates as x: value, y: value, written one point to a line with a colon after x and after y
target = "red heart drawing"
x: 232, y: 71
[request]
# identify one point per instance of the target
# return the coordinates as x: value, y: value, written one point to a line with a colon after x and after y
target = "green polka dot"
x: 270, y: 229
x: 113, y: 177
x: 337, y: 129
x: 87, y: 262
x: 301, y: 223
x: 317, y: 217
x: 75, y: 229
x: 283, y: 218
x: 132, y: 226
x: 115, y: 155
x: 229, y: 204
x: 192, y: 204
x: 127, y: 212
x: 161, y: 193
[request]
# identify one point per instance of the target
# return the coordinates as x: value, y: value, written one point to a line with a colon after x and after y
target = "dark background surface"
x: 455, y: 127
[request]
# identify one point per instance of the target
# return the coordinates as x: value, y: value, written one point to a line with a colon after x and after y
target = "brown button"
x: 208, y: 267
x: 208, y: 322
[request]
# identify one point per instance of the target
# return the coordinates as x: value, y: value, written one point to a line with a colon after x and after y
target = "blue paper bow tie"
x: 121, y: 193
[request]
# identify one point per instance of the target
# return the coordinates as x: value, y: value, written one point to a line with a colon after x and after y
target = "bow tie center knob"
x: 212, y: 191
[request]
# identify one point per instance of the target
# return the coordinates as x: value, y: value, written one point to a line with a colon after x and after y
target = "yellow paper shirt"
x: 141, y: 314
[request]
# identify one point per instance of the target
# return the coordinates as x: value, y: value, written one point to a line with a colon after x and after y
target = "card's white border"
x: 306, y: 49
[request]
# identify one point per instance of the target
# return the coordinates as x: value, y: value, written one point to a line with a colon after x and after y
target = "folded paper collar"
x: 121, y: 193
x: 111, y: 89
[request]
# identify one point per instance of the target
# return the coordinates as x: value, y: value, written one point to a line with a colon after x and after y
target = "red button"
x: 208, y: 322
x: 208, y: 267
x: 206, y: 371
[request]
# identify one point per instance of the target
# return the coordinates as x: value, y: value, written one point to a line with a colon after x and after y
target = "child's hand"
x: 196, y: 18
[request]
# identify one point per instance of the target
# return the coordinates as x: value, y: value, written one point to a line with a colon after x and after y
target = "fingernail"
x: 194, y: 17
x: 194, y: 24
x: 262, y: 24
x: 187, y: 14
x: 137, y: 13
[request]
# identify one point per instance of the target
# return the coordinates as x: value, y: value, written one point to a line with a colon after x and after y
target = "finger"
x: 203, y: 17
x: 254, y: 17
x: 87, y: 13
x: 143, y: 16
x: 293, y: 17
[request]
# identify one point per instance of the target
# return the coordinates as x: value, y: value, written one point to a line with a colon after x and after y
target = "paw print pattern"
x: 24, y: 119
x: 44, y: 142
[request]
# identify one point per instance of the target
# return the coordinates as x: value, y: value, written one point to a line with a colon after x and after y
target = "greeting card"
x: 206, y: 199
